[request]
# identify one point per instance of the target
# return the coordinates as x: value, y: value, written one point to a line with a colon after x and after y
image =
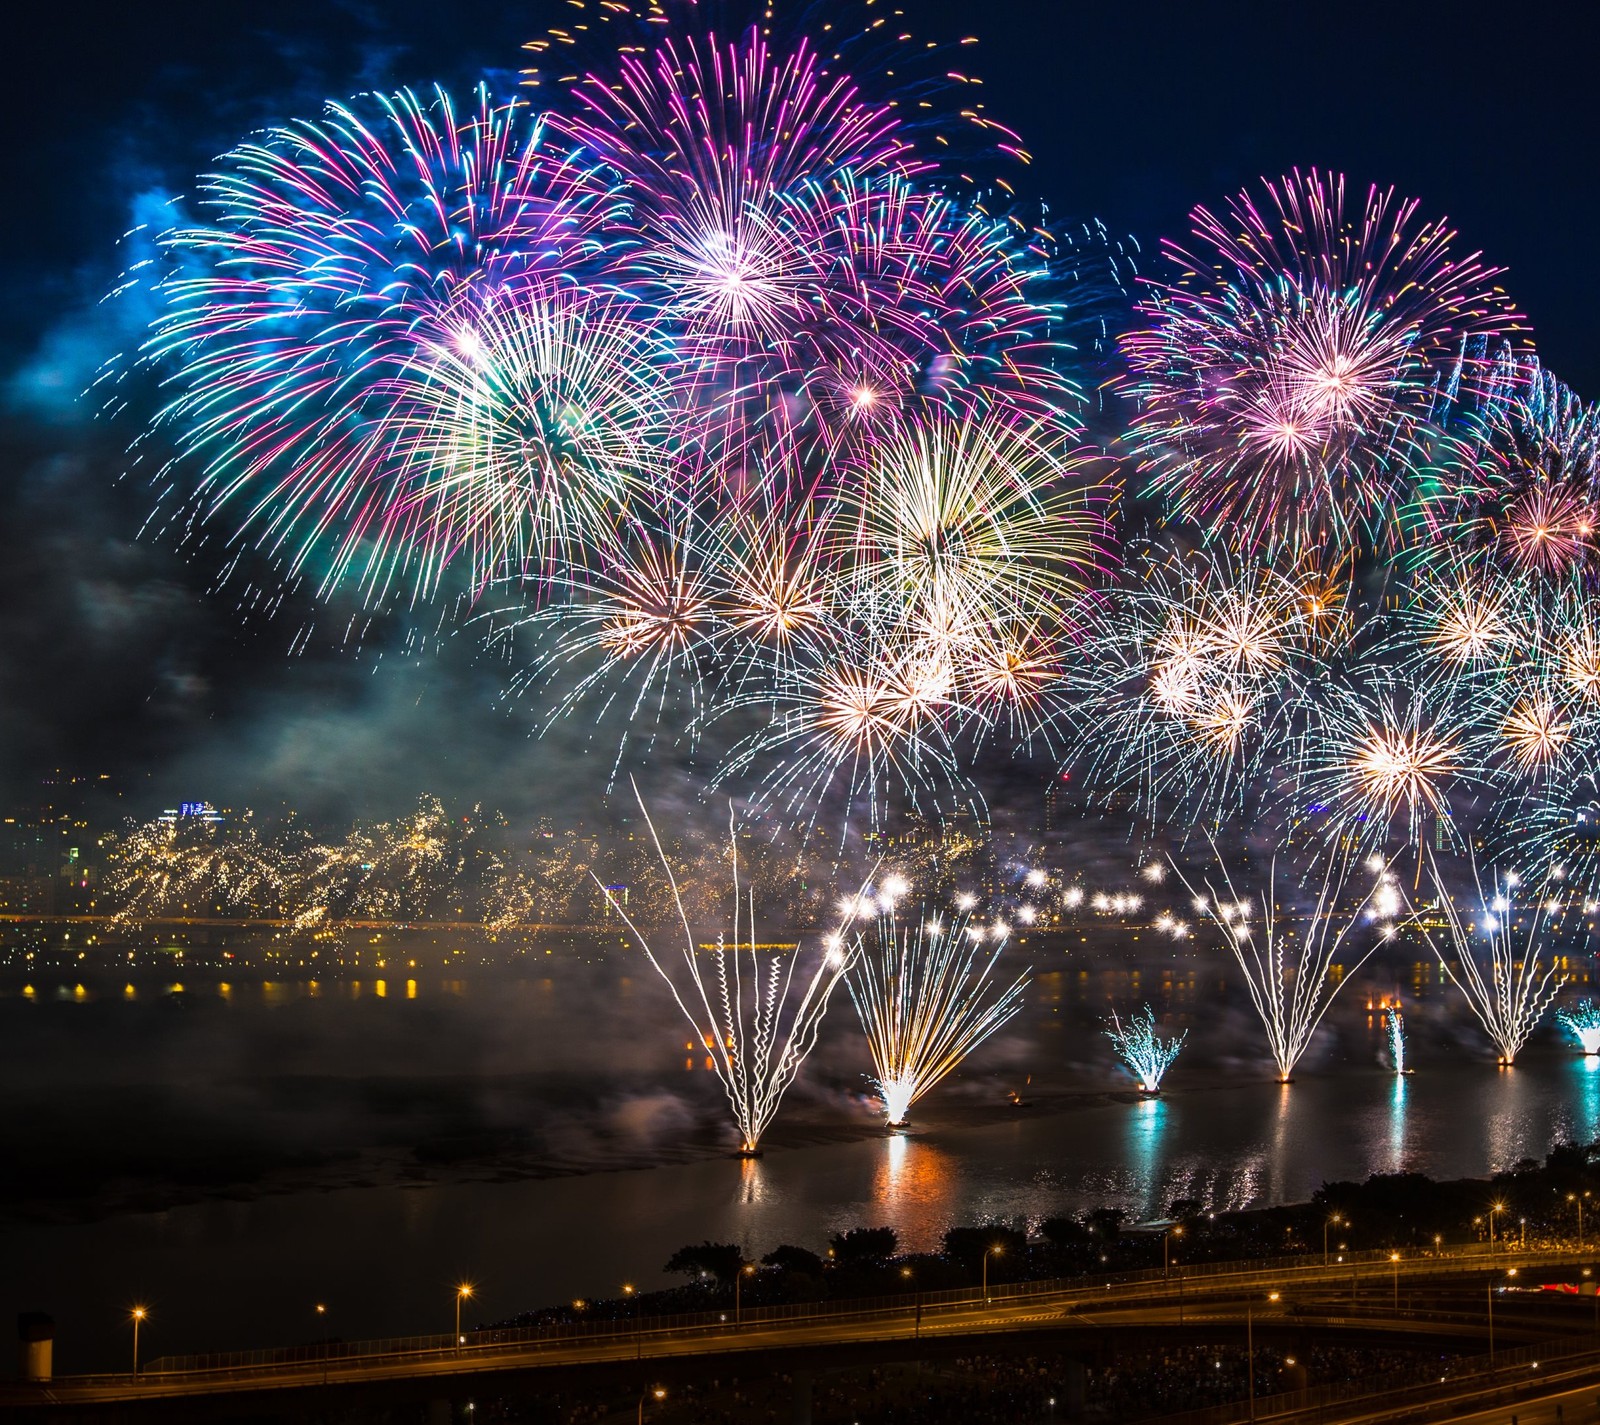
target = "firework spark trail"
x: 1582, y: 1022
x: 1146, y: 1053
x: 1510, y: 991
x: 1289, y: 988
x: 1394, y: 1025
x: 927, y: 996
x: 758, y: 1021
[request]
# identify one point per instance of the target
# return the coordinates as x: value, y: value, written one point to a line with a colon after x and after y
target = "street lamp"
x: 628, y: 1289
x: 1394, y: 1259
x: 916, y: 1329
x: 988, y: 1252
x: 138, y: 1314
x: 322, y: 1316
x: 1166, y: 1246
x: 462, y: 1293
x: 1250, y: 1348
x: 658, y: 1392
x: 1494, y: 1207
x: 746, y: 1269
x: 1334, y: 1221
x: 1575, y: 1197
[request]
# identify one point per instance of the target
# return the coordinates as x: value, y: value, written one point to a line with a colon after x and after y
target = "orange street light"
x: 462, y: 1293
x: 994, y: 1251
x: 137, y: 1315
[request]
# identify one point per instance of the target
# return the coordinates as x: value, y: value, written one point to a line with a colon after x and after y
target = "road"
x: 1214, y: 1295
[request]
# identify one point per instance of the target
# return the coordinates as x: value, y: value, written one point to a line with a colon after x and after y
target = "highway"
x: 1342, y: 1296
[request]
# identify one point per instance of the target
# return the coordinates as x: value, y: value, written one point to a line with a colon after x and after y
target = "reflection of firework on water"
x: 1394, y: 1027
x: 1286, y: 378
x: 1582, y: 1022
x: 756, y: 1010
x: 927, y: 996
x: 1287, y: 972
x: 1507, y: 989
x: 1146, y: 1053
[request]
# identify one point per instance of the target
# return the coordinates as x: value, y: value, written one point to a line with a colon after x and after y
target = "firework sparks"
x: 756, y: 1011
x: 1582, y: 1022
x: 1289, y: 982
x: 1146, y: 1053
x: 1509, y: 989
x: 927, y: 996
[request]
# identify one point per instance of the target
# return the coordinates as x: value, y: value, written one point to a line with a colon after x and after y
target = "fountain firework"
x: 1582, y: 1022
x: 927, y: 996
x: 1147, y: 1054
x: 756, y: 1009
x: 1509, y: 992
x: 1395, y: 1028
x: 1289, y: 987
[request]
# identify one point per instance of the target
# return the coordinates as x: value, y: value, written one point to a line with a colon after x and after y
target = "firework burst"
x: 1285, y: 381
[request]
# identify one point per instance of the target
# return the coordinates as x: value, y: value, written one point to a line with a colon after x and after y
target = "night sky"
x: 113, y: 654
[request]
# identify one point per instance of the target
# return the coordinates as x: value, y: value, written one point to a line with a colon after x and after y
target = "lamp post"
x: 1334, y: 1221
x: 746, y: 1269
x: 1578, y: 1198
x: 1494, y: 1207
x: 322, y: 1316
x: 1166, y: 1248
x: 658, y: 1392
x: 462, y: 1293
x: 638, y: 1326
x: 1394, y: 1261
x: 1490, y: 1290
x: 138, y: 1314
x: 988, y: 1252
x: 1250, y: 1354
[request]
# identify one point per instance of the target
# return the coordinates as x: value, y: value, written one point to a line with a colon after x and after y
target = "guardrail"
x: 1413, y: 1386
x: 1082, y: 1291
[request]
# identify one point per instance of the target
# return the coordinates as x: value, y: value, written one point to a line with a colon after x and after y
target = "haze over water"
x: 430, y: 1109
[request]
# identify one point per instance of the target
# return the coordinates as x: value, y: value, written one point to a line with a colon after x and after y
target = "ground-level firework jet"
x: 756, y: 1008
x: 1144, y: 1051
x: 928, y: 994
x: 1507, y: 985
x: 1287, y: 972
x: 1582, y: 1022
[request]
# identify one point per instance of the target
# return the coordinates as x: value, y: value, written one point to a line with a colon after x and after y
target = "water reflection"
x: 1397, y: 1125
x: 1584, y: 1124
x: 914, y: 1185
x: 752, y: 1185
x: 1278, y: 1161
x: 1509, y: 1132
x: 1146, y: 1156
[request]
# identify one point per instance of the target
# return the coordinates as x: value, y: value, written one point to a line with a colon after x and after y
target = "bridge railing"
x: 1085, y: 1290
x: 1397, y: 1388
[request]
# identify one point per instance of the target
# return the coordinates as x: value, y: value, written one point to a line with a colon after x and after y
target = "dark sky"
x: 113, y: 654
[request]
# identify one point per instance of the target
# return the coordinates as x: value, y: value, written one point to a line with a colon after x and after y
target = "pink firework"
x: 1285, y: 380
